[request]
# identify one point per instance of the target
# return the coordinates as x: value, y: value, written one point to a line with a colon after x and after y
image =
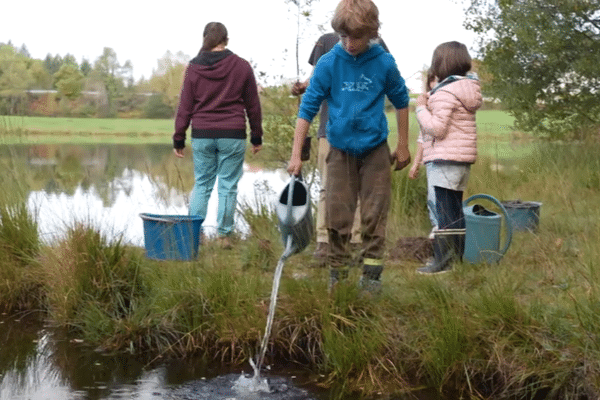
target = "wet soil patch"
x: 411, y: 249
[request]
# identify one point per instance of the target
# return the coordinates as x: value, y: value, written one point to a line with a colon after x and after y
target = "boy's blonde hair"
x: 356, y: 18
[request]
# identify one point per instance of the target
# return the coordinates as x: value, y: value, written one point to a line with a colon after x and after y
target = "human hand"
x: 401, y: 158
x: 299, y: 88
x: 256, y: 148
x: 422, y: 100
x: 294, y: 166
x: 178, y: 152
x: 413, y: 173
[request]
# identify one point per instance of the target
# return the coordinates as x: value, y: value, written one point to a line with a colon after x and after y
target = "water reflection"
x: 41, y: 363
x: 135, y: 192
x: 108, y: 186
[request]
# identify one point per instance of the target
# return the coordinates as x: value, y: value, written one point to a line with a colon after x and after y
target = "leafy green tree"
x: 69, y: 81
x: 18, y: 73
x: 53, y: 63
x: 23, y: 50
x: 110, y: 73
x: 157, y: 108
x: 70, y: 59
x: 543, y: 61
x: 85, y: 67
x: 167, y: 79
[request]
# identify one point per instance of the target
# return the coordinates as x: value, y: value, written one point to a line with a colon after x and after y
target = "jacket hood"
x: 373, y: 51
x: 215, y: 65
x: 466, y: 89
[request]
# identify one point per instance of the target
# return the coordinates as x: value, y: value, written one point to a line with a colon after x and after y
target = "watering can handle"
x: 508, y: 225
x: 290, y: 198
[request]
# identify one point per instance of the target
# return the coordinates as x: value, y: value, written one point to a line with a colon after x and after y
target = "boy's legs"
x: 356, y: 227
x: 375, y: 196
x: 341, y: 200
x: 322, y: 235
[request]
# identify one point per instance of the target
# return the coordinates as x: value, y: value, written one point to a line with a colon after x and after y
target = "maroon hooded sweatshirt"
x: 218, y: 91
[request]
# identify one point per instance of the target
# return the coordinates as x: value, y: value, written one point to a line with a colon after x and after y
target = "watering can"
x: 293, y: 208
x: 483, y: 231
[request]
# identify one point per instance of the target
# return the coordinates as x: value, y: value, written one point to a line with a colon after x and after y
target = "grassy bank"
x: 528, y: 327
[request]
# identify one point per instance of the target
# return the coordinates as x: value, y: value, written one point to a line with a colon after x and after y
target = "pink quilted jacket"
x: 448, y: 122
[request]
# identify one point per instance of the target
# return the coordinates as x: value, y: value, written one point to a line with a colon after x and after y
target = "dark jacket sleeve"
x: 253, y: 110
x: 184, y: 112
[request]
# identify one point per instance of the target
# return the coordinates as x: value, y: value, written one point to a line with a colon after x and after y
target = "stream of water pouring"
x: 256, y: 384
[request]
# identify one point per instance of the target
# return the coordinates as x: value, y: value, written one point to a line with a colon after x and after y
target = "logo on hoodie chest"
x: 362, y: 85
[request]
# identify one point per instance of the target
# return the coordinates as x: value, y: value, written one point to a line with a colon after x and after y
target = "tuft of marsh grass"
x: 88, y: 268
x: 19, y: 247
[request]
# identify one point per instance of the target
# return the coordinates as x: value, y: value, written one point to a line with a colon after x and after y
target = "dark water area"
x: 38, y: 362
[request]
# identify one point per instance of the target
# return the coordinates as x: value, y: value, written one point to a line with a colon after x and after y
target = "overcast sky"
x: 262, y: 31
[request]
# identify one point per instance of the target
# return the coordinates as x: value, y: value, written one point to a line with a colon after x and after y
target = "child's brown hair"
x: 356, y: 18
x: 450, y: 58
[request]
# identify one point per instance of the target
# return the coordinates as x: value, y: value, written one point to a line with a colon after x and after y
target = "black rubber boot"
x: 448, y: 247
x: 370, y: 280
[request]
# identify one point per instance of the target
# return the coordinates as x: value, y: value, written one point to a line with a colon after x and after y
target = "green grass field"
x: 84, y: 130
x: 497, y: 137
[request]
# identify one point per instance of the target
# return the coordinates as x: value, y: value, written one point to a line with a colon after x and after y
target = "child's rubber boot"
x: 370, y: 281
x: 448, y: 246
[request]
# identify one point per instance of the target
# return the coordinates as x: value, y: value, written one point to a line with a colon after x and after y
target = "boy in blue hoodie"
x: 354, y: 78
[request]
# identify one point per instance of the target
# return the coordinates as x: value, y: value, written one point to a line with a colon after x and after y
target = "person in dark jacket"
x: 218, y: 93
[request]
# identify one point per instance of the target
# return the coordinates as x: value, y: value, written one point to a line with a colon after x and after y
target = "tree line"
x: 540, y: 59
x: 61, y: 86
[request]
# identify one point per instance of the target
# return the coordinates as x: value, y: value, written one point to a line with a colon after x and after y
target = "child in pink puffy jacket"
x: 446, y: 116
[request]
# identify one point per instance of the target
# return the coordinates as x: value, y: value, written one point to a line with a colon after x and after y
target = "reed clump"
x: 19, y: 246
x: 527, y: 327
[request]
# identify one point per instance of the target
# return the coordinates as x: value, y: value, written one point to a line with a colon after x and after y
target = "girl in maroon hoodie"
x: 218, y: 93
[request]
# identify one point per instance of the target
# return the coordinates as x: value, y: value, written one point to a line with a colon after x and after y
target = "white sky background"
x: 259, y: 30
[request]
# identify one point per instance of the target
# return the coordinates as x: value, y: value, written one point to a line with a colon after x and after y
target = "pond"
x: 107, y: 187
x: 41, y: 363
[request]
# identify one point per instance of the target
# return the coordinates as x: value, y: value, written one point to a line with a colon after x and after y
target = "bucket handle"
x: 157, y: 219
x: 508, y: 224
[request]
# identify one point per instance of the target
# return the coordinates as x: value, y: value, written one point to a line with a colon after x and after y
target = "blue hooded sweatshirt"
x: 355, y: 90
